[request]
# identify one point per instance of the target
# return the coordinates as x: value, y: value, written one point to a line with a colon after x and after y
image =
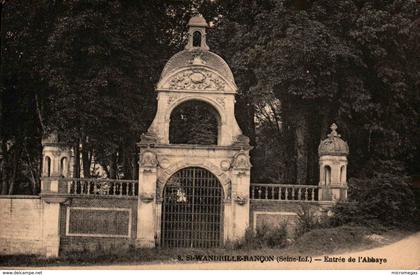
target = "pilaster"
x: 146, y: 225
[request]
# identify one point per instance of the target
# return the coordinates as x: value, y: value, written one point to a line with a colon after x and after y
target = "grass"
x: 315, y: 242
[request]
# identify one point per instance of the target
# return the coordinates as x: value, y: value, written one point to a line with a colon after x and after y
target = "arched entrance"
x: 192, y: 210
x: 194, y: 122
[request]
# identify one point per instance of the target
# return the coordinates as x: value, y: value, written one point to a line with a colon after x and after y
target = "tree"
x: 88, y: 70
x: 349, y: 62
x: 102, y: 62
x: 24, y: 32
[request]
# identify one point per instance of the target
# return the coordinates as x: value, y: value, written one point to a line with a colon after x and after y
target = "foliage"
x: 88, y: 70
x: 307, y: 220
x: 264, y: 237
x: 383, y: 200
x: 327, y: 240
x: 194, y: 122
x: 96, y: 65
x: 24, y: 29
x: 351, y: 62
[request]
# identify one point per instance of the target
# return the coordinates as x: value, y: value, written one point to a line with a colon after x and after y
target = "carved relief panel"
x: 195, y: 79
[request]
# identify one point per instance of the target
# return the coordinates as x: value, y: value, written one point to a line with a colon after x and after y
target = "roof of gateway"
x: 187, y: 58
x: 197, y: 55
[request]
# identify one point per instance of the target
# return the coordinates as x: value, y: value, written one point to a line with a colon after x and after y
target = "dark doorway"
x: 192, y: 210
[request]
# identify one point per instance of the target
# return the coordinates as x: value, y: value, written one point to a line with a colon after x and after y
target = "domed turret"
x: 333, y: 145
x: 333, y: 153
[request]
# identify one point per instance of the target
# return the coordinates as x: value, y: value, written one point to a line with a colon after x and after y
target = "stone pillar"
x: 55, y: 162
x: 333, y: 153
x: 240, y: 194
x: 1, y: 160
x: 146, y: 222
x: 240, y: 204
x: 227, y: 219
x: 51, y: 205
x: 51, y: 227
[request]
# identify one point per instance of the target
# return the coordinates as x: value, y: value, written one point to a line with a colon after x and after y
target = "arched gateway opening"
x: 194, y: 122
x: 192, y: 210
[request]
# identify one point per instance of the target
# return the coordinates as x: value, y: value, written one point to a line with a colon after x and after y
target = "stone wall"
x: 22, y: 228
x: 274, y: 213
x: 110, y: 224
x: 103, y: 225
x: 21, y: 225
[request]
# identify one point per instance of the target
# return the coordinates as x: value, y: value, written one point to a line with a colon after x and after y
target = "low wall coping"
x: 103, y: 197
x: 19, y: 197
x: 198, y: 146
x: 64, y: 195
x: 262, y: 201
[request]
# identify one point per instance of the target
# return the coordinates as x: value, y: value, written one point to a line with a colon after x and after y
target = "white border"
x: 129, y: 210
x: 254, y: 217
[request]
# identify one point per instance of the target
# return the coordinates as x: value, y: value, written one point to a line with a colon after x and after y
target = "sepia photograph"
x: 209, y: 135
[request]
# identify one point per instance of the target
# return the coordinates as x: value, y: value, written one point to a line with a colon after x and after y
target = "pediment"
x: 195, y: 79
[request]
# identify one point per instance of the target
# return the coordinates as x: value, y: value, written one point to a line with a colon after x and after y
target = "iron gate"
x: 192, y: 210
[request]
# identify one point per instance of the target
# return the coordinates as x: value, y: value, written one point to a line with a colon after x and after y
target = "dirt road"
x: 404, y: 254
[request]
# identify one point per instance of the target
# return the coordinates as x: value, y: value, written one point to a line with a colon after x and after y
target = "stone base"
x: 145, y: 243
x: 52, y: 248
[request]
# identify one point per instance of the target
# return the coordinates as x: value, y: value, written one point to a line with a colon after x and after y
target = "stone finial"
x: 197, y: 59
x: 333, y: 133
x: 148, y: 138
x: 241, y: 140
x: 333, y: 145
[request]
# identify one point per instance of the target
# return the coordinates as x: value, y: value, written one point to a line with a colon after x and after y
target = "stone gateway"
x: 193, y: 190
x: 192, y: 186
